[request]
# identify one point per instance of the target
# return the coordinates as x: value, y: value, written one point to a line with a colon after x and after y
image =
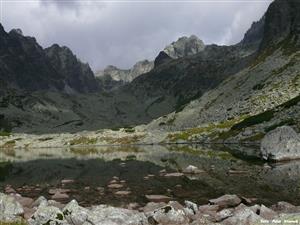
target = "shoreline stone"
x: 281, y: 144
x: 225, y: 210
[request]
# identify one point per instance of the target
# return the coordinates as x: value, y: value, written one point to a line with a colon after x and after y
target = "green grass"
x: 4, y: 133
x: 129, y: 130
x: 253, y: 120
x: 256, y: 137
x: 258, y: 86
x: 290, y: 103
x: 224, y: 155
x: 211, y: 128
x: 83, y: 141
x: 9, y: 144
x: 288, y: 122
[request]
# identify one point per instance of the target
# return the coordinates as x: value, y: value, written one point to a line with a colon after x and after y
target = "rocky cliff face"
x: 282, y: 23
x: 254, y: 35
x: 126, y: 75
x: 77, y: 75
x: 184, y: 46
x: 25, y: 65
x: 257, y: 98
x: 238, y: 92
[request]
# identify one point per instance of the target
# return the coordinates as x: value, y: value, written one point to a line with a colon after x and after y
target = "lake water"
x: 33, y: 172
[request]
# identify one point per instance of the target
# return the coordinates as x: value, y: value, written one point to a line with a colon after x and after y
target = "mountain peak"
x: 17, y: 31
x: 282, y: 20
x: 184, y: 46
x: 255, y: 33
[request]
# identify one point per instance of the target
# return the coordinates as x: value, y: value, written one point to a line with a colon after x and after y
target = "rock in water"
x: 283, y: 143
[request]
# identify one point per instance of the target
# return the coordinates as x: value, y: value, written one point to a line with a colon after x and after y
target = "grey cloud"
x: 121, y: 33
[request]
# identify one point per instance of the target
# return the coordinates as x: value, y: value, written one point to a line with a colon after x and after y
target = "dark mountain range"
x: 51, y: 86
x: 26, y: 66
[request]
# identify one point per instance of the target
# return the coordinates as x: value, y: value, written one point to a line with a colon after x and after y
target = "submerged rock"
x: 158, y: 198
x: 283, y: 143
x: 192, y: 170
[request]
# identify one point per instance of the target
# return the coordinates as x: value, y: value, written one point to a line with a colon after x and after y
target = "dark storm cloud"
x: 121, y: 33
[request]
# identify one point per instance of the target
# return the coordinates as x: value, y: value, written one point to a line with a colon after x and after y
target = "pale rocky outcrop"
x: 283, y: 143
x: 10, y: 208
x: 171, y: 213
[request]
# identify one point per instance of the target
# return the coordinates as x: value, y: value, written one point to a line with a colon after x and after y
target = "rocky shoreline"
x: 280, y: 144
x: 227, y: 209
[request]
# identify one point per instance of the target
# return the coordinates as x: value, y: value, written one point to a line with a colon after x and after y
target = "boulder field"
x: 227, y: 209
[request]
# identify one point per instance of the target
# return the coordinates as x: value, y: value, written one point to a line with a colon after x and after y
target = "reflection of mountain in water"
x: 95, y: 167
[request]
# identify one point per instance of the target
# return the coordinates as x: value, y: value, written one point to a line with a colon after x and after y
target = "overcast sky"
x: 121, y: 33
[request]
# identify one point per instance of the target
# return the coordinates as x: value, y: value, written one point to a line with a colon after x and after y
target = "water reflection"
x: 34, y: 171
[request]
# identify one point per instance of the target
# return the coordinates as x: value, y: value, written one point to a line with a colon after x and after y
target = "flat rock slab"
x: 226, y: 201
x: 174, y: 175
x: 60, y: 196
x: 123, y: 193
x: 192, y: 170
x: 158, y: 198
x: 115, y: 186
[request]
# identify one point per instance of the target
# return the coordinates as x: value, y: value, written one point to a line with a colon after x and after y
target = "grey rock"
x: 192, y: 170
x: 283, y: 143
x: 226, y: 201
x: 103, y: 214
x: 223, y: 214
x: 191, y: 205
x: 243, y: 216
x: 267, y: 213
x: 75, y: 214
x: 40, y: 201
x: 48, y: 215
x: 168, y: 215
x: 184, y: 46
x: 158, y: 198
x: 124, y: 75
x: 10, y: 208
x: 284, y: 207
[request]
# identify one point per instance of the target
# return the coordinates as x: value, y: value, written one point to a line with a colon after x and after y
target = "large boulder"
x: 46, y: 214
x: 226, y: 201
x: 104, y: 214
x: 75, y: 214
x: 283, y: 143
x: 168, y: 215
x: 10, y: 208
x: 244, y: 216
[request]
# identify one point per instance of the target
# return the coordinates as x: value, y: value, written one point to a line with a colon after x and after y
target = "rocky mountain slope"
x: 184, y: 46
x: 25, y: 65
x: 256, y: 99
x: 126, y: 75
x: 228, y: 93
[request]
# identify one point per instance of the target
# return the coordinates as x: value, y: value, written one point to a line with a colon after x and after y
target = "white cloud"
x: 120, y: 33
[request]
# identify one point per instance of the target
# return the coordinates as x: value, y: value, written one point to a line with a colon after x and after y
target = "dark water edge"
x: 33, y: 172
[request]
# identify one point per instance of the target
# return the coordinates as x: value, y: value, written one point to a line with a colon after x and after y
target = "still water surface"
x: 32, y: 172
